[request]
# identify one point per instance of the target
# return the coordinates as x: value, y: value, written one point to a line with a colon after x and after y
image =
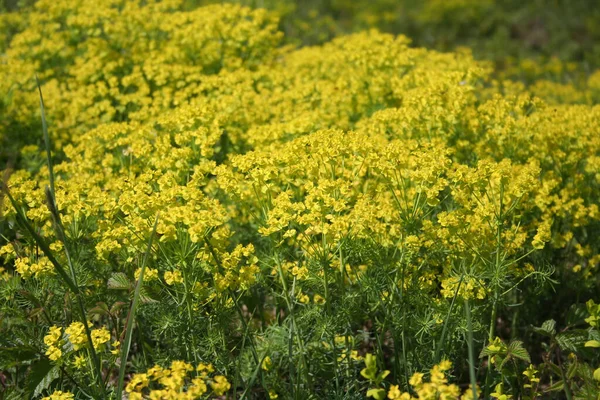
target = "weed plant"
x: 216, y: 214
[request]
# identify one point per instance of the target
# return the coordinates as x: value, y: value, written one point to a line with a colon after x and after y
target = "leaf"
x: 572, y: 369
x: 592, y: 343
x: 16, y: 356
x: 556, y: 387
x: 516, y: 350
x: 548, y: 328
x: 119, y: 281
x: 487, y: 352
x: 48, y: 379
x: 145, y: 297
x: 571, y: 340
x: 377, y: 394
x: 576, y: 314
x: 100, y: 309
x: 381, y: 376
x: 117, y: 306
x: 369, y: 373
x: 555, y: 368
x: 41, y: 374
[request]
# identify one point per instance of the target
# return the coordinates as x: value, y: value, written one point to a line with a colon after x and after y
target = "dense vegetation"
x: 240, y: 202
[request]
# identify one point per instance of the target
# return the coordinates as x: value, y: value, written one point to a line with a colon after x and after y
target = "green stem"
x: 470, y: 348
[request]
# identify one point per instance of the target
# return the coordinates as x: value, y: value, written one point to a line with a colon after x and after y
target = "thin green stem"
x: 470, y: 349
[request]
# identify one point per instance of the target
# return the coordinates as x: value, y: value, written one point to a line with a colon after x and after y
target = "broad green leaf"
x: 572, y: 340
x: 548, y: 328
x: 382, y: 376
x: 369, y: 373
x: 119, y: 281
x: 41, y: 375
x: 145, y: 296
x: 377, y: 394
x: 516, y: 350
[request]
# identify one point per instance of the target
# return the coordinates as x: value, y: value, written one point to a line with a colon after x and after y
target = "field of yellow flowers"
x: 240, y: 202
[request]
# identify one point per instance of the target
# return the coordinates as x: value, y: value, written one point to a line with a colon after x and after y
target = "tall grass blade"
x: 22, y: 220
x: 59, y: 230
x: 130, y: 317
x: 470, y: 348
x: 46, y: 139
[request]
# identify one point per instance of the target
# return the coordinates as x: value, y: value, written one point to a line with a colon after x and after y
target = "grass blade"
x: 60, y: 233
x: 131, y: 315
x: 46, y: 139
x: 22, y: 220
x: 470, y: 348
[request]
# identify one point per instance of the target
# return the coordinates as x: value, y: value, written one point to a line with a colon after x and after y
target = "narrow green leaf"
x: 572, y: 369
x: 556, y: 387
x: 59, y: 231
x: 23, y: 221
x: 46, y: 139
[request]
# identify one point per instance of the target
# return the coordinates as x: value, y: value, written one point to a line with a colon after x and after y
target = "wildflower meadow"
x: 299, y: 200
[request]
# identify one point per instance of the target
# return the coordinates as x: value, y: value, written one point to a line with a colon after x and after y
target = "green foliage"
x: 360, y: 217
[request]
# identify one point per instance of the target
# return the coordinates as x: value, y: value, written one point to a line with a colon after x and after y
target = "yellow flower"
x: 150, y: 274
x: 303, y: 298
x: 445, y: 365
x: 79, y: 362
x: 395, y: 394
x: 416, y: 379
x: 498, y: 393
x: 99, y: 337
x: 115, y: 348
x: 173, y: 277
x: 76, y: 335
x: 53, y: 336
x: 137, y: 383
x: 220, y: 385
x: 59, y: 395
x: 53, y: 353
x: 266, y: 363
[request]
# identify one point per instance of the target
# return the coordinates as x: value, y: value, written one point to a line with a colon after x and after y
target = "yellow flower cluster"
x: 54, y: 342
x: 366, y: 144
x: 436, y: 388
x: 75, y: 337
x: 264, y: 160
x: 125, y: 60
x: 174, y: 383
x: 59, y: 395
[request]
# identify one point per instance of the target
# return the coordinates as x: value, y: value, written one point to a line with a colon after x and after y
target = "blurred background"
x: 504, y: 31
